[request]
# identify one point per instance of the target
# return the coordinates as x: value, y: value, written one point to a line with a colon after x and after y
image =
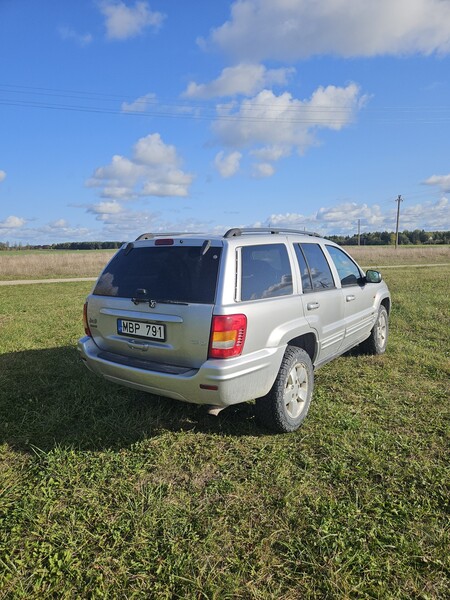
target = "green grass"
x: 110, y: 493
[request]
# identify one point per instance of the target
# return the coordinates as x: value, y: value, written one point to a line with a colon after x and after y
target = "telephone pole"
x: 359, y: 232
x: 399, y: 199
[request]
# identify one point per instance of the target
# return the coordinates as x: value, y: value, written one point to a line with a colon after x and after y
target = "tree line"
x: 387, y: 238
x: 63, y: 246
x: 377, y: 238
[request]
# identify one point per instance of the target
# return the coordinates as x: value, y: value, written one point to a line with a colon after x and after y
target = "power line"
x: 297, y: 113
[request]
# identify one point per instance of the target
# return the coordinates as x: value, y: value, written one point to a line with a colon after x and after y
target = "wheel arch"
x: 307, y: 342
x: 387, y: 304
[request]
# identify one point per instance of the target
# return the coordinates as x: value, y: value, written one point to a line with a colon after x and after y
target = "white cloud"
x: 106, y: 208
x: 246, y: 79
x: 152, y: 151
x: 140, y: 104
x: 227, y: 164
x: 347, y: 212
x: 261, y: 170
x: 12, y: 222
x: 429, y: 215
x: 115, y: 192
x: 123, y: 22
x: 288, y: 220
x: 177, y: 187
x: 272, y: 126
x: 271, y: 153
x: 119, y: 176
x: 442, y: 181
x: 343, y: 218
x: 82, y: 39
x: 2, y: 176
x: 148, y: 103
x: 59, y: 224
x: 17, y: 230
x: 119, y: 223
x: 153, y: 170
x: 56, y: 232
x: 296, y: 29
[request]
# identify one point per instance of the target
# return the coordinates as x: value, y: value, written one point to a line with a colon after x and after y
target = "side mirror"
x: 373, y: 276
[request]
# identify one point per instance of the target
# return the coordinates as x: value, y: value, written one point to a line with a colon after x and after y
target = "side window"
x: 266, y: 272
x: 349, y: 273
x: 319, y: 269
x: 304, y: 270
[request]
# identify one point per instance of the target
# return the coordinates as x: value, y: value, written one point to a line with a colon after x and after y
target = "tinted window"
x: 174, y: 273
x: 266, y: 272
x: 349, y: 273
x: 304, y: 271
x: 321, y: 276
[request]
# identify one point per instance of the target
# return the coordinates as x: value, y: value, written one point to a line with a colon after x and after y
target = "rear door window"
x: 173, y: 273
x: 266, y: 272
x: 320, y: 274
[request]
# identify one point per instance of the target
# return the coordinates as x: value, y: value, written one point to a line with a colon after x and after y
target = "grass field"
x: 52, y: 264
x: 111, y: 493
x: 378, y: 256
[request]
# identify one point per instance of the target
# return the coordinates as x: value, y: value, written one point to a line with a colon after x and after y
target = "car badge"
x: 152, y: 303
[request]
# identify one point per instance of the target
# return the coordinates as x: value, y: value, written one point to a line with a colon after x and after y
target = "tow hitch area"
x: 215, y: 410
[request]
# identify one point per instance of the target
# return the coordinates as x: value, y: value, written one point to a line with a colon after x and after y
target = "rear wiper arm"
x: 172, y: 302
x: 143, y: 296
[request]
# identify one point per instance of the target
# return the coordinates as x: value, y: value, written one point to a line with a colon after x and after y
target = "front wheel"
x: 377, y: 341
x: 285, y: 407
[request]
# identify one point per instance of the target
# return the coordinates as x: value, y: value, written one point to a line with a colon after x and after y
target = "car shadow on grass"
x: 48, y: 398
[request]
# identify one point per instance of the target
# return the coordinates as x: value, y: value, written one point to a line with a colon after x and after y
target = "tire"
x: 377, y: 341
x: 285, y: 407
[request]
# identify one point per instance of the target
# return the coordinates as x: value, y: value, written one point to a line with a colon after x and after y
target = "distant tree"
x: 403, y: 238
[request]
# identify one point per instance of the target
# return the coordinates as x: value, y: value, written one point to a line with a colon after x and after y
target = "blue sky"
x: 119, y: 117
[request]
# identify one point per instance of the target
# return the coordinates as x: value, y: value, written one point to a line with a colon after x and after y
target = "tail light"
x: 227, y: 335
x: 85, y: 320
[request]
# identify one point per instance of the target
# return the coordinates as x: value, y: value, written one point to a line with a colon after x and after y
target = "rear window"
x: 178, y: 274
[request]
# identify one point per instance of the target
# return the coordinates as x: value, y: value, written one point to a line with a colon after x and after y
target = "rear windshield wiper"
x: 142, y: 296
x: 172, y: 302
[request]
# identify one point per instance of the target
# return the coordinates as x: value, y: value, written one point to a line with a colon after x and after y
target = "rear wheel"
x: 377, y: 340
x: 287, y: 404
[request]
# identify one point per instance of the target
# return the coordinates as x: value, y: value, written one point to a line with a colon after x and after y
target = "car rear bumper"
x: 219, y: 382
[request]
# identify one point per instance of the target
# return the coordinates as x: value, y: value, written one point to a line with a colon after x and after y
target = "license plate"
x: 148, y: 331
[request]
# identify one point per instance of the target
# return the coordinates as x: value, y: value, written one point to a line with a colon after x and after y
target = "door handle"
x: 350, y: 298
x: 312, y: 305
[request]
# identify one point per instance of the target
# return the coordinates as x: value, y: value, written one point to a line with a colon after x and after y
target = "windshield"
x: 169, y: 273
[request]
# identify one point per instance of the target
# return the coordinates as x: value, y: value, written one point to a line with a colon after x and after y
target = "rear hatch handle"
x: 133, y: 345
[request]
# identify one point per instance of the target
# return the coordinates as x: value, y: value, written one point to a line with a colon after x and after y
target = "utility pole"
x: 399, y: 199
x: 359, y: 232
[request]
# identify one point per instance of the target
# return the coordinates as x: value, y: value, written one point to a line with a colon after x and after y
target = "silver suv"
x: 218, y: 320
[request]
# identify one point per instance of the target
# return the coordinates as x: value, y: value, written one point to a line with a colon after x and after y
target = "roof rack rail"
x: 151, y: 236
x: 237, y: 231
